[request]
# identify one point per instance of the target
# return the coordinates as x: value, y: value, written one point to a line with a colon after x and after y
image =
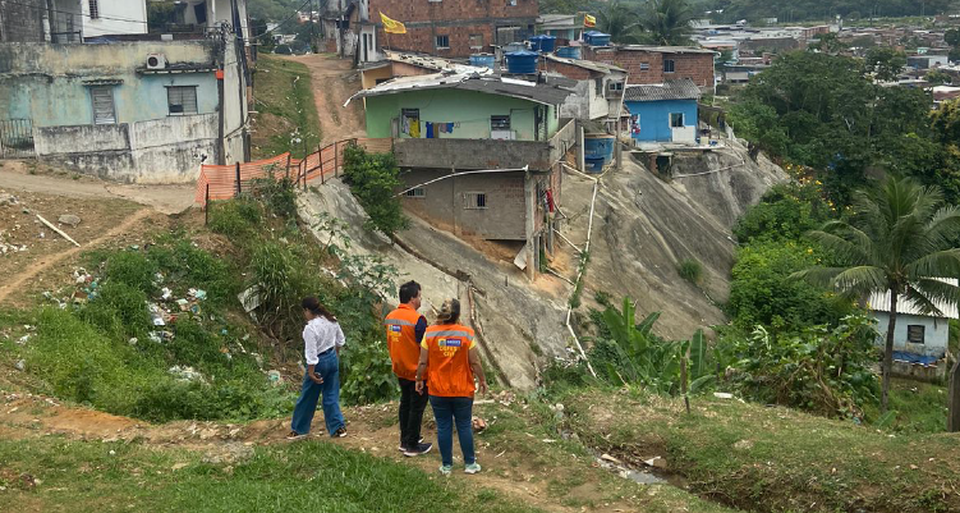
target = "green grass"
x: 306, y: 476
x: 773, y: 459
x: 286, y: 103
x: 919, y: 408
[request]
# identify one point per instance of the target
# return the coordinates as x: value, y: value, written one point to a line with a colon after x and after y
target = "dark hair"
x: 408, y: 291
x: 313, y: 304
x: 449, y: 312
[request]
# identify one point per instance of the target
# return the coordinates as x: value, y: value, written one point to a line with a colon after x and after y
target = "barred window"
x: 182, y: 100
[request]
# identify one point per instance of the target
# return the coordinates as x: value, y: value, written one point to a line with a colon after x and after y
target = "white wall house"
x: 113, y: 17
x: 916, y: 332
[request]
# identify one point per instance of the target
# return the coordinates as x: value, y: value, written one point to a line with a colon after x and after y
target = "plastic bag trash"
x: 274, y: 376
x: 199, y: 294
x: 23, y: 340
x: 20, y: 365
x: 155, y: 337
x: 722, y: 395
x: 186, y: 373
x: 133, y: 341
x: 167, y: 293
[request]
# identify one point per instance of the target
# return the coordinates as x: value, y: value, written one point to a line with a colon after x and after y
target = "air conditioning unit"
x: 156, y: 61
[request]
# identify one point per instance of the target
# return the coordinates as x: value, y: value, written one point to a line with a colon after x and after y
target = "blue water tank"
x: 522, y: 62
x: 569, y: 52
x: 599, y: 146
x: 594, y: 164
x: 543, y: 43
x: 484, y: 60
x: 597, y: 38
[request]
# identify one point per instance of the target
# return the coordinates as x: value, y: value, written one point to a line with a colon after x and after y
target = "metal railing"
x: 16, y: 139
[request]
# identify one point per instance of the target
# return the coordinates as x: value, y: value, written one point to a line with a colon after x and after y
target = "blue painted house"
x: 663, y: 113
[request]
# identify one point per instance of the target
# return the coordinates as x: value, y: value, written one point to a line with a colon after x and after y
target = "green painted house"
x: 479, y: 153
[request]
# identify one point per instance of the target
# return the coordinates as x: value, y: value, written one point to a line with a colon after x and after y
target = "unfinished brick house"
x: 658, y: 64
x: 447, y: 28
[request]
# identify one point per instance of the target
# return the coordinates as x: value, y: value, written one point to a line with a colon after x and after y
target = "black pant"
x: 412, y: 405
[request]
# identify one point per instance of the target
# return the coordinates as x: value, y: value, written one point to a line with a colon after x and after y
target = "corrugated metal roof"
x: 515, y: 88
x: 880, y: 302
x: 666, y: 49
x: 673, y: 90
x: 599, y: 67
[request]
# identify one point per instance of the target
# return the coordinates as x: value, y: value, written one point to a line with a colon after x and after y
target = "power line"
x: 80, y: 14
x: 287, y: 20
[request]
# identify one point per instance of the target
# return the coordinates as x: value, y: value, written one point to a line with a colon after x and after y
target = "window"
x: 94, y: 9
x: 499, y: 122
x: 615, y: 87
x: 443, y: 42
x: 669, y: 66
x: 182, y: 100
x: 103, y: 111
x: 598, y: 85
x: 476, y: 41
x: 476, y: 201
x: 419, y: 192
x: 644, y: 66
x: 915, y: 333
x: 676, y: 120
x: 512, y: 3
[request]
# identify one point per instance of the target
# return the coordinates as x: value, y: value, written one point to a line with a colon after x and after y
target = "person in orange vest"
x: 449, y: 360
x: 405, y: 328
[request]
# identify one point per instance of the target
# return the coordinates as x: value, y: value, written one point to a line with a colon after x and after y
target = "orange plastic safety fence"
x: 223, y: 179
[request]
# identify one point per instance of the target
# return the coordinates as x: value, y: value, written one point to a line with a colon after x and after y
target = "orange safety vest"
x: 448, y: 369
x: 402, y: 341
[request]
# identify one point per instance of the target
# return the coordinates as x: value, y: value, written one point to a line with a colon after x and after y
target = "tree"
x: 952, y: 37
x: 667, y: 22
x: 898, y: 241
x: 937, y: 77
x: 884, y: 62
x: 620, y: 22
x: 828, y: 43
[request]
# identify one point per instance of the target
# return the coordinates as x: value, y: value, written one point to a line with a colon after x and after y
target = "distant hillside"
x: 803, y: 10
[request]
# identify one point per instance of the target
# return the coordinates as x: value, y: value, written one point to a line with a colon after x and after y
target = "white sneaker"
x: 472, y: 468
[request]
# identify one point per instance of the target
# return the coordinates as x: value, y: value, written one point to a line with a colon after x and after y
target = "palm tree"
x: 620, y: 22
x: 899, y: 240
x: 668, y: 22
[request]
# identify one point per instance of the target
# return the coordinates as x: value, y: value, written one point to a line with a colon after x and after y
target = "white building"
x: 111, y: 17
x: 915, y: 332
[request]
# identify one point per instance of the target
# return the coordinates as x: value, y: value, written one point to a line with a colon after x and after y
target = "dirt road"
x: 334, y: 81
x: 167, y: 199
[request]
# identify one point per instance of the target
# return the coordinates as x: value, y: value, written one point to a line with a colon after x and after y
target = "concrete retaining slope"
x: 512, y: 315
x: 644, y: 227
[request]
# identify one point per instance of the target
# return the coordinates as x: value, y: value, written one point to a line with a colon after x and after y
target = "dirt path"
x: 30, y: 272
x: 167, y: 199
x: 334, y: 81
x: 372, y: 429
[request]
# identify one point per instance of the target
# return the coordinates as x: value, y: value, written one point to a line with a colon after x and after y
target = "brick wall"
x: 567, y: 70
x: 456, y: 19
x: 695, y: 66
x: 21, y: 21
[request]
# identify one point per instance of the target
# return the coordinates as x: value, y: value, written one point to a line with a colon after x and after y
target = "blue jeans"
x: 327, y: 368
x: 448, y: 410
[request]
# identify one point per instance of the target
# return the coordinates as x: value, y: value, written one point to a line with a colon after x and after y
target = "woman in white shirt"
x: 322, y: 340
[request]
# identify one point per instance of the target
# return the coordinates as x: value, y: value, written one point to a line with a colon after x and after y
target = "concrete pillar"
x: 530, y: 193
x: 581, y: 149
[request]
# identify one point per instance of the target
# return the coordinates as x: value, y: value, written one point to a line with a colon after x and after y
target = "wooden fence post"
x: 288, y: 166
x: 239, y: 187
x: 206, y: 206
x: 953, y: 398
x: 336, y: 158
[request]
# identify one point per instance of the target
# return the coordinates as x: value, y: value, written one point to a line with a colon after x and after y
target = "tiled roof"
x: 673, y: 90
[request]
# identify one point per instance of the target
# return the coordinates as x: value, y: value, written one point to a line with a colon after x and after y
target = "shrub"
x: 277, y: 194
x: 119, y: 310
x: 786, y: 212
x: 691, y: 270
x: 236, y: 218
x: 374, y: 179
x: 763, y: 293
x: 818, y: 369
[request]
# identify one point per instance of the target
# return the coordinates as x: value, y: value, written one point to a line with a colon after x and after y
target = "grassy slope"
x: 284, y: 100
x: 307, y: 476
x: 775, y: 459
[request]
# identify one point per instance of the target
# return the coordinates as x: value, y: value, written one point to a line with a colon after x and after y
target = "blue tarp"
x: 922, y: 359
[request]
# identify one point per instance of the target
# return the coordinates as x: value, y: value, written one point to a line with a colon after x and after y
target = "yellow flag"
x: 588, y: 21
x: 392, y: 26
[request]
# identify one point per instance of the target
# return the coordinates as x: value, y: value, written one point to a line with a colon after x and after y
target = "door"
x: 16, y: 139
x: 103, y: 111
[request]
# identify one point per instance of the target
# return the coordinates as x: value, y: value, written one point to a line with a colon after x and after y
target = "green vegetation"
x: 899, y: 239
x: 307, y: 476
x: 691, y: 269
x: 287, y: 119
x: 159, y: 334
x: 658, y: 22
x: 826, y: 10
x: 374, y: 179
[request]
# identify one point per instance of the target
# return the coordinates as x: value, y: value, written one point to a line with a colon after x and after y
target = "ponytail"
x: 313, y: 305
